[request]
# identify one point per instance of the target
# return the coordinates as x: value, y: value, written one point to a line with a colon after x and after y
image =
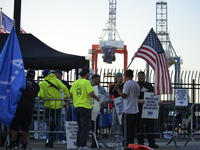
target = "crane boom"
x: 112, y: 20
x: 111, y: 30
x: 162, y: 32
x: 163, y: 35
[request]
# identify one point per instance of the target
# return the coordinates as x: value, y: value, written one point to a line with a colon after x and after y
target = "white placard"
x: 71, y: 134
x: 95, y: 104
x: 151, y: 107
x: 96, y: 110
x: 181, y: 98
x: 119, y: 108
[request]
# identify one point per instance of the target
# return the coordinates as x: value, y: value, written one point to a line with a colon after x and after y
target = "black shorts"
x: 22, y: 119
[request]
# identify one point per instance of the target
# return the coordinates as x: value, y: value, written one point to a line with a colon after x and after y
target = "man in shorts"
x: 24, y: 112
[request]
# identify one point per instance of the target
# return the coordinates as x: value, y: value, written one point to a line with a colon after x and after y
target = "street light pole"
x: 17, y: 15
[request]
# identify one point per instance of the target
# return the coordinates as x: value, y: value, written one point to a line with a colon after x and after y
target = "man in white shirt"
x: 130, y: 94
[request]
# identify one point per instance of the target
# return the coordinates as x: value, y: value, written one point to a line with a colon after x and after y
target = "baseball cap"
x: 58, y: 71
x: 31, y: 72
x: 46, y: 72
x: 117, y: 74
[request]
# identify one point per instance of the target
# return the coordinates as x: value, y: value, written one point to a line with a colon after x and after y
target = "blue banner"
x: 12, y: 78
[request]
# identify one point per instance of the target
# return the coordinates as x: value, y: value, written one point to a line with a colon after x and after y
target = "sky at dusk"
x: 72, y: 26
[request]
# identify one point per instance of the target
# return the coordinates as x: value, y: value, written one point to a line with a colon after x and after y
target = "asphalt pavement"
x: 178, y: 144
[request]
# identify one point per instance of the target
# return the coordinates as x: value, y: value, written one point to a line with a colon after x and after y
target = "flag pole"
x: 14, y: 24
x: 0, y: 18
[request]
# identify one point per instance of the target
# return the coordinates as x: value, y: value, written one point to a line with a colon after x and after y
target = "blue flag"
x: 12, y: 78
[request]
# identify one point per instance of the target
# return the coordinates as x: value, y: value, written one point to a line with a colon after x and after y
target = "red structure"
x: 96, y: 51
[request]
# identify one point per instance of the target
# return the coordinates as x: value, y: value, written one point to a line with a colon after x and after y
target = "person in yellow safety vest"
x: 81, y: 91
x: 50, y: 88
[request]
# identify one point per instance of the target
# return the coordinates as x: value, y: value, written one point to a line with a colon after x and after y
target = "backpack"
x: 31, y: 90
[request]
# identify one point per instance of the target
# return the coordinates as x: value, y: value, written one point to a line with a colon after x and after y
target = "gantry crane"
x: 111, y: 46
x: 163, y: 35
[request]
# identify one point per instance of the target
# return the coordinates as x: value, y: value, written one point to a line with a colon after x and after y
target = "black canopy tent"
x: 38, y: 55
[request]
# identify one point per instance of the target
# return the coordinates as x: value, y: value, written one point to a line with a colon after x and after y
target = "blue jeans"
x: 53, y: 119
x: 61, y: 136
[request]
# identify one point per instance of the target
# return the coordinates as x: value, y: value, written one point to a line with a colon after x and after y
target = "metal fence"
x: 168, y: 125
x: 194, y: 124
x: 163, y: 127
x: 177, y: 116
x: 180, y: 80
x: 189, y: 80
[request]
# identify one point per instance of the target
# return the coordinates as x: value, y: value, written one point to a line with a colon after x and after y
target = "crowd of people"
x: 55, y: 92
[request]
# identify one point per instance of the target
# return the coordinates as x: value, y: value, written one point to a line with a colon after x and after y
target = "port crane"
x: 163, y: 35
x: 109, y: 47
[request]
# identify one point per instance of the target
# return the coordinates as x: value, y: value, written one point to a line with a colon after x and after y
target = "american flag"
x: 7, y: 24
x: 153, y: 53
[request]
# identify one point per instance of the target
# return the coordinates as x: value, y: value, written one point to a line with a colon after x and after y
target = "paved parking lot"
x: 39, y: 145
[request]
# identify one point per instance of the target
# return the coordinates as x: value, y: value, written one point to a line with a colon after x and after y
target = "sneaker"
x: 12, y: 145
x: 49, y: 145
x: 24, y: 145
x: 16, y: 145
x: 110, y: 145
x: 62, y: 142
x: 84, y: 148
x: 153, y: 146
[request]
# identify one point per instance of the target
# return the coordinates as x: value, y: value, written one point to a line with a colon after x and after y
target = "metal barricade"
x: 194, y: 124
x: 104, y: 123
x: 181, y: 121
x: 49, y: 122
x: 163, y: 127
x: 52, y: 123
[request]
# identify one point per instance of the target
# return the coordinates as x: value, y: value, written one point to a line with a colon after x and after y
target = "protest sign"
x: 181, y: 97
x: 119, y: 108
x: 150, y: 108
x: 71, y: 134
x: 95, y: 104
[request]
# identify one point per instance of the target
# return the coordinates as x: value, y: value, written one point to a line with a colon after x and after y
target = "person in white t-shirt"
x: 130, y: 94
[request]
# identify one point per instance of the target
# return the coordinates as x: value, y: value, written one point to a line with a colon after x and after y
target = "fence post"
x: 193, y: 91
